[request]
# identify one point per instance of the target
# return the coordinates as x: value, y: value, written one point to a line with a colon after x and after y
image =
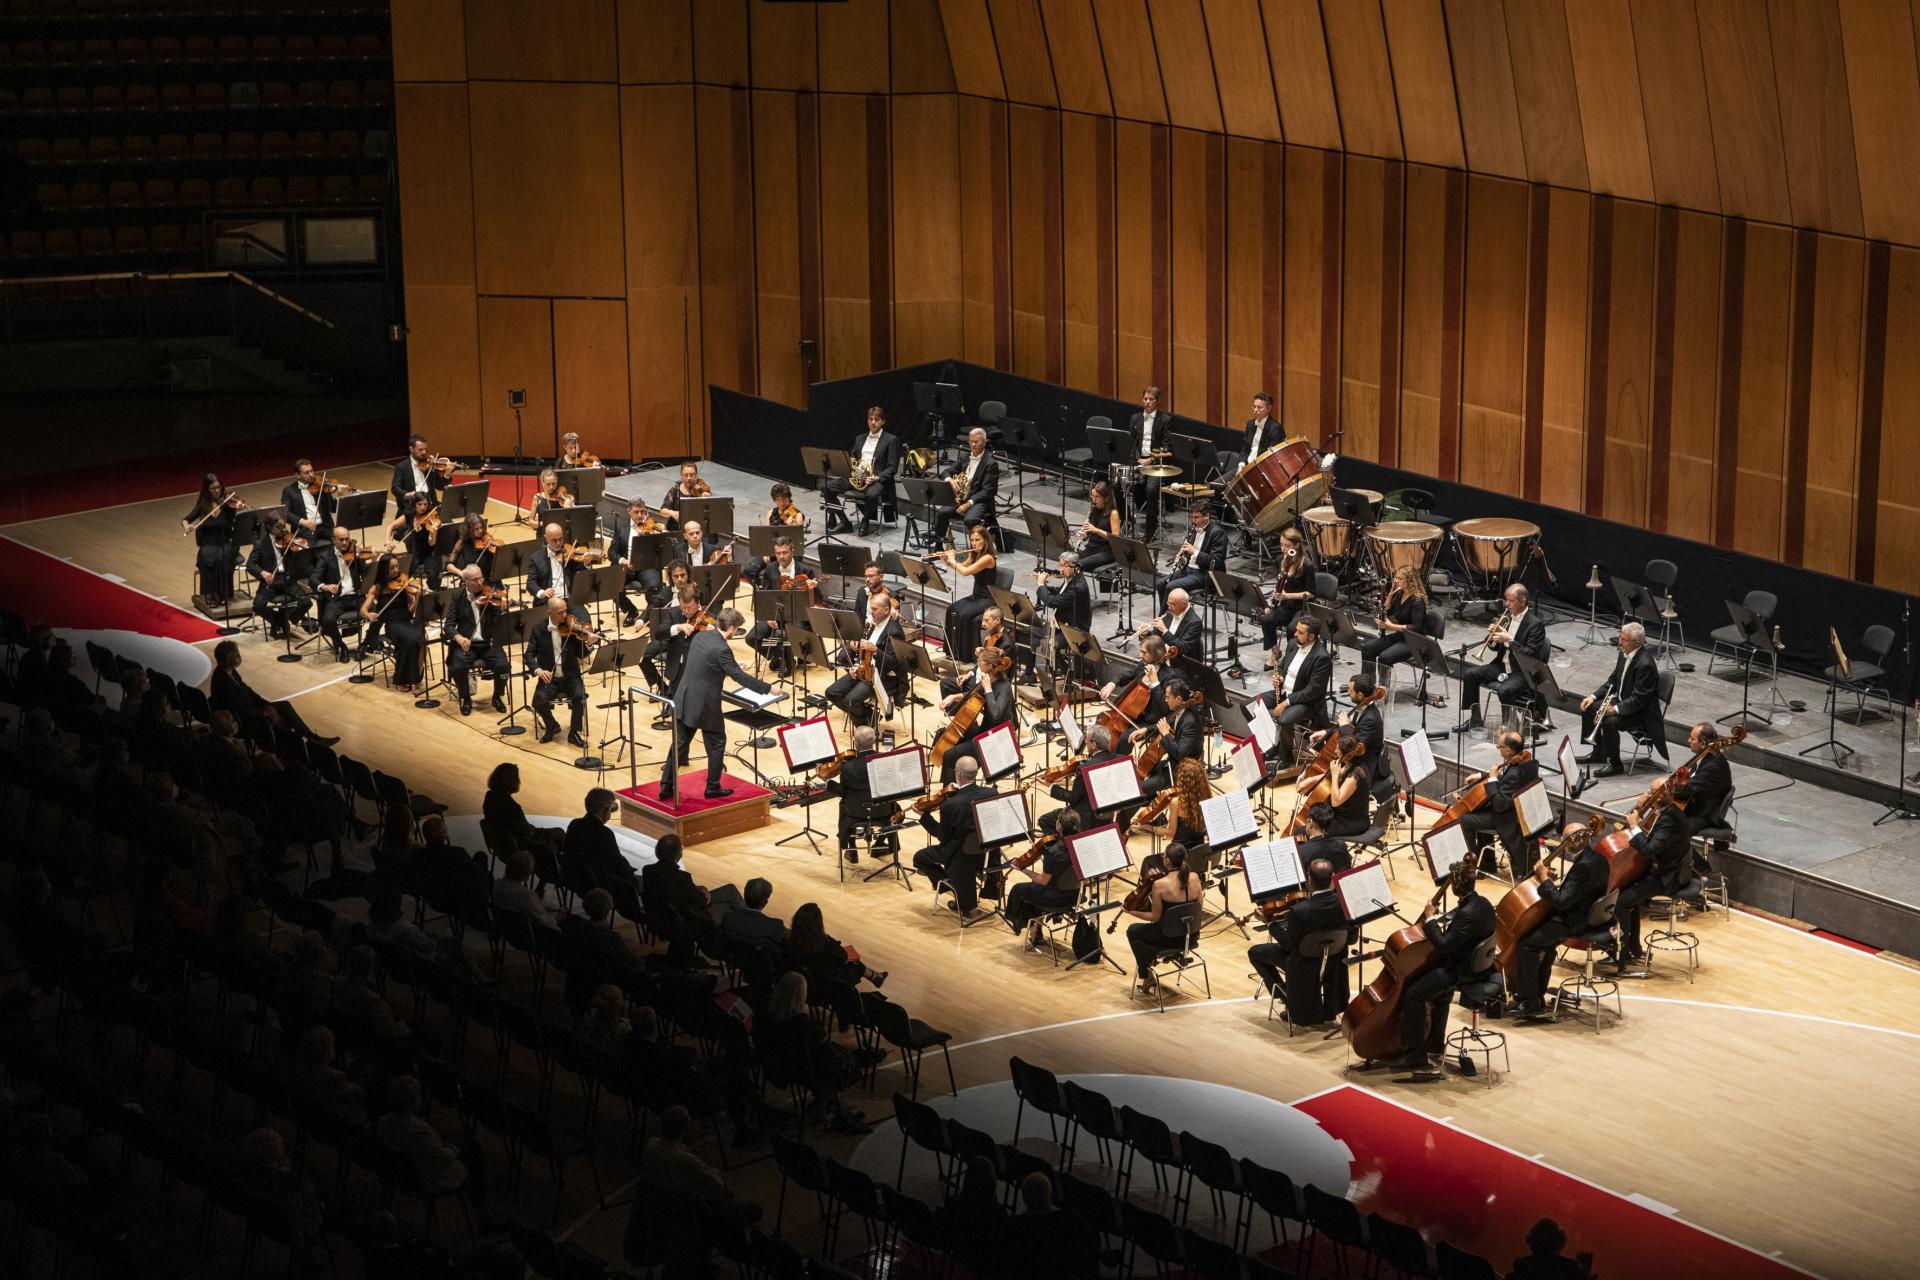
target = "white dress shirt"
x: 869, y: 447
x: 1294, y: 664
x: 1146, y: 432
x: 559, y: 563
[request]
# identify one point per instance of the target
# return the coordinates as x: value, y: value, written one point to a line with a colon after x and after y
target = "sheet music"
x: 1446, y: 847
x: 1363, y: 891
x: 1229, y: 818
x: 1070, y: 729
x: 1569, y: 767
x: 999, y: 750
x: 898, y: 773
x: 1001, y: 818
x: 1111, y: 784
x: 760, y: 700
x: 1272, y: 867
x: 1098, y: 852
x: 1534, y: 808
x: 807, y: 743
x: 1247, y: 767
x: 1260, y: 720
x: 1416, y: 756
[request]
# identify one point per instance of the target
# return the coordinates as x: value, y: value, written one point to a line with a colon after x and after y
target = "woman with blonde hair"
x: 1405, y: 610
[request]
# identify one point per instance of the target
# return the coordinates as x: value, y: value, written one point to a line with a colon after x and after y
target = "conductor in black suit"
x: 470, y: 642
x: 1150, y: 429
x: 983, y: 480
x: 879, y: 451
x: 1525, y: 632
x: 416, y: 473
x: 1204, y: 551
x: 1571, y: 900
x: 697, y: 702
x: 1301, y: 698
x: 311, y: 513
x: 1634, y: 688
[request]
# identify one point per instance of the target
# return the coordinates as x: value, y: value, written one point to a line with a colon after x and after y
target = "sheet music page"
x: 1272, y: 867
x: 1446, y: 846
x: 1534, y: 808
x: 1247, y: 768
x: 1070, y: 729
x: 1229, y: 817
x: 1001, y: 818
x: 1098, y: 852
x: 1364, y: 891
x: 999, y: 751
x: 1113, y: 783
x: 761, y: 700
x: 1569, y: 767
x: 1416, y: 754
x: 807, y: 743
x: 898, y: 773
x: 1260, y: 720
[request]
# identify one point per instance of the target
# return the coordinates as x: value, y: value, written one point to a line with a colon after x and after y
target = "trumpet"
x: 1494, y: 628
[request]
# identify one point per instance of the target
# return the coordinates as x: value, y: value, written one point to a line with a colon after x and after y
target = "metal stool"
x: 1671, y: 940
x: 1476, y: 996
x: 1601, y: 931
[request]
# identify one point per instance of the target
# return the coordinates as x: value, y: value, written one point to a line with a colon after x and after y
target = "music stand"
x: 917, y: 663
x: 809, y: 649
x: 1425, y: 653
x: 715, y: 515
x: 923, y: 574
x: 844, y: 559
x: 1337, y: 623
x: 931, y: 496
x: 711, y: 580
x: 1111, y: 447
x: 777, y: 608
x: 1022, y: 434
x: 1135, y: 559
x: 761, y: 537
x: 458, y: 501
x: 514, y: 627
x: 1046, y: 530
x: 607, y: 658
x: 1242, y: 594
x: 431, y: 607
x: 1546, y: 690
x: 510, y: 561
x: 1199, y: 456
x: 586, y: 484
x: 1356, y: 509
x: 1753, y: 638
x: 295, y: 567
x: 577, y: 524
x: 356, y: 511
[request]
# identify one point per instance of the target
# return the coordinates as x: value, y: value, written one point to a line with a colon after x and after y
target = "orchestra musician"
x: 1154, y: 668
x: 1406, y: 610
x: 1524, y: 631
x: 1204, y: 552
x: 995, y: 631
x: 470, y: 641
x: 670, y: 643
x: 417, y: 529
x: 1099, y: 529
x: 628, y: 528
x: 1708, y: 783
x: 336, y: 583
x: 1314, y: 842
x: 1071, y: 602
x: 856, y: 696
x: 1182, y: 731
x: 1455, y: 936
x: 872, y: 582
x: 310, y: 503
x: 1149, y: 428
x: 556, y: 657
x: 1367, y: 723
x: 1181, y: 627
x: 550, y: 570
x: 990, y: 672
x: 1299, y: 696
x: 1052, y: 884
x: 418, y: 473
x: 476, y: 547
x: 774, y: 573
x: 572, y: 456
x: 1312, y: 995
x: 211, y: 524
x: 1630, y: 699
x: 1666, y: 843
x: 1292, y: 588
x: 1350, y: 792
x: 1497, y: 814
x: 857, y: 806
x: 783, y: 512
x: 956, y: 856
x: 689, y: 485
x: 1182, y: 823
x: 276, y: 595
x: 388, y: 606
x: 983, y: 480
x: 964, y: 615
x: 1262, y: 432
x: 1177, y: 885
x: 878, y: 451
x: 551, y: 495
x: 709, y: 663
x: 697, y: 549
x: 1571, y: 900
x: 1100, y: 749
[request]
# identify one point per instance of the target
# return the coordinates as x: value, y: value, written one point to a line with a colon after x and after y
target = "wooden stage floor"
x: 1767, y: 1102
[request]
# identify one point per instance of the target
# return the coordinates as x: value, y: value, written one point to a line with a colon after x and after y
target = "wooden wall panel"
x: 1253, y: 227
x: 1133, y: 67
x: 1307, y: 243
x: 1086, y: 191
x: 1831, y: 462
x: 1363, y: 282
x: 1483, y: 79
x: 662, y: 214
x: 516, y: 350
x: 844, y: 250
x: 1606, y: 75
x: 1884, y: 102
x: 1423, y: 318
x: 590, y: 372
x: 982, y: 225
x: 920, y: 61
x: 443, y: 366
x: 1186, y: 64
x: 546, y: 189
x: 720, y: 41
x: 1563, y: 408
x: 563, y: 40
x: 1692, y: 446
x: 1767, y: 300
x: 1024, y: 62
x: 1079, y: 73
x: 1033, y: 154
x: 429, y: 39
x: 1193, y: 375
x: 1897, y: 523
x: 1737, y: 52
x: 853, y: 39
x: 1494, y: 334
x: 976, y: 60
x: 1423, y: 81
x: 776, y: 236
x: 783, y: 46
x: 1247, y: 102
x: 1302, y: 78
x: 1823, y: 183
x: 1543, y: 86
x: 1673, y: 91
x: 927, y: 308
x: 724, y: 143
x: 1629, y: 363
x: 656, y: 41
x: 436, y: 222
x: 1362, y: 78
x: 1134, y: 268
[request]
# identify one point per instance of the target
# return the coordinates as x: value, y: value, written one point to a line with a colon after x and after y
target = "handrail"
x: 235, y: 276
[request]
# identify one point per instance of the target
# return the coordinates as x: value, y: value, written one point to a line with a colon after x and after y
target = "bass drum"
x: 1404, y: 543
x: 1269, y: 488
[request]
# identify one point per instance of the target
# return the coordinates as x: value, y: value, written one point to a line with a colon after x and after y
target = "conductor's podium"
x: 696, y: 820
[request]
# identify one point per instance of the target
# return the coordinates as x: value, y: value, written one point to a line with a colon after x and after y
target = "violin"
x: 402, y: 585
x: 796, y: 582
x: 570, y: 627
x: 934, y: 799
x: 581, y: 554
x: 1061, y: 772
x: 649, y: 525
x: 429, y: 524
x: 1035, y: 852
x: 1138, y: 898
x: 787, y: 515
x: 700, y: 489
x: 320, y: 484
x: 831, y: 768
x: 443, y: 465
x: 232, y: 502
x: 581, y: 459
x: 486, y: 542
x: 561, y: 496
x: 290, y: 542
x: 489, y: 597
x: 703, y: 621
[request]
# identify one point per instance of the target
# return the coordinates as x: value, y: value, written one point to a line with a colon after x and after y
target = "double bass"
x: 1372, y: 1018
x: 1525, y: 908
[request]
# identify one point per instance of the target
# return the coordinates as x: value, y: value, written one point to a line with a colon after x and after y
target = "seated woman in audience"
x: 269, y: 1173
x: 503, y: 812
x: 438, y: 1166
x: 322, y: 1087
x: 604, y: 1025
x: 792, y: 1048
x: 811, y: 950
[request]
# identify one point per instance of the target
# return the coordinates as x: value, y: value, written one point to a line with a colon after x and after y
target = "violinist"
x: 671, y: 642
x: 550, y: 570
x: 1292, y: 588
x: 1311, y: 993
x: 854, y: 694
x: 1708, y: 783
x: 783, y: 512
x: 956, y: 858
x: 1299, y: 694
x: 476, y: 546
x: 1497, y: 813
x: 1406, y: 611
x: 991, y: 674
x: 963, y: 615
x: 856, y: 791
x: 1312, y: 841
x: 872, y: 582
x: 776, y: 572
x: 696, y: 548
x: 389, y: 604
x: 337, y: 582
x: 1182, y: 823
x: 1659, y: 830
x: 419, y: 472
x: 470, y: 640
x: 556, y: 656
x: 309, y: 502
x: 1100, y: 528
x: 1570, y: 900
x: 1051, y: 884
x: 689, y: 485
x: 1100, y: 750
x: 1178, y: 885
x: 572, y: 456
x: 551, y: 495
x: 417, y: 529
x: 628, y: 529
x: 1455, y: 935
x: 276, y: 594
x: 211, y: 524
x: 877, y: 450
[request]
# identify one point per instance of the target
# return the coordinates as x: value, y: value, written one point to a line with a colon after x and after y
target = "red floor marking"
x: 1845, y: 941
x: 37, y: 586
x: 1481, y: 1197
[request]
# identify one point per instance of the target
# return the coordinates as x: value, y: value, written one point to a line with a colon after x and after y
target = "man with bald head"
x: 470, y: 644
x: 336, y: 583
x: 549, y: 571
x: 1180, y: 626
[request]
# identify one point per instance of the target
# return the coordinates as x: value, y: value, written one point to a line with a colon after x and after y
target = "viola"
x: 581, y: 554
x: 489, y: 598
x: 934, y: 799
x: 486, y: 542
x: 290, y: 542
x: 796, y: 582
x: 1138, y: 898
x: 1525, y: 908
x: 699, y: 489
x: 581, y: 459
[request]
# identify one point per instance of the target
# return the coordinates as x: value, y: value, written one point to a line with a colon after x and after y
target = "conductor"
x: 697, y: 703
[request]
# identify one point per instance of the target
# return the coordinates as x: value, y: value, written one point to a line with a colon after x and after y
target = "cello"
x: 1525, y: 908
x: 1476, y: 795
x: 1372, y: 1018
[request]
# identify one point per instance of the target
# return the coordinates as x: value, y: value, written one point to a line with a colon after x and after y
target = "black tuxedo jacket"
x: 540, y: 573
x: 1162, y: 427
x: 886, y: 454
x: 541, y: 656
x: 952, y: 823
x: 1188, y: 737
x: 1319, y: 913
x: 1187, y: 634
x: 402, y: 486
x: 326, y: 572
x: 704, y: 676
x: 1332, y: 848
x: 1530, y: 639
x: 1212, y: 555
x: 297, y: 511
x: 1371, y: 728
x: 767, y: 576
x: 1071, y: 600
x: 1311, y: 682
x: 1585, y: 884
x: 1273, y: 434
x: 1457, y: 933
x: 1666, y: 842
x: 986, y: 479
x: 462, y: 617
x: 856, y: 791
x: 1636, y: 684
x: 886, y: 665
x: 1514, y: 778
x: 1706, y: 786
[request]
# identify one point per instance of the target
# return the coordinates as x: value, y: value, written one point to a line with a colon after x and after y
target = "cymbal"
x: 1159, y: 471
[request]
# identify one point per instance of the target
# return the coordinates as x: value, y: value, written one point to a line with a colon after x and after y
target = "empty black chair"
x: 1149, y: 1137
x: 1336, y: 1218
x: 1399, y: 1246
x: 1038, y: 1088
x: 1213, y: 1167
x: 1458, y: 1264
x: 1093, y: 1113
x: 911, y: 1037
x: 922, y: 1126
x: 1271, y: 1192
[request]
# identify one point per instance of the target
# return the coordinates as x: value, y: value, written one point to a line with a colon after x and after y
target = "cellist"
x: 1570, y: 900
x: 1659, y: 830
x: 996, y: 692
x: 1423, y: 1013
x: 1496, y: 814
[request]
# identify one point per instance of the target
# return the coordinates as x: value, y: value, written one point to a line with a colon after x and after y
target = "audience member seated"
x: 387, y: 923
x: 269, y: 1173
x: 513, y: 892
x: 793, y: 1049
x: 676, y: 907
x: 1049, y: 1241
x: 678, y: 1074
x: 600, y: 951
x: 973, y: 1219
x: 590, y: 839
x: 747, y: 921
x: 305, y: 993
x: 322, y: 1087
x: 1544, y: 1259
x: 604, y: 1025
x: 354, y: 996
x: 668, y: 1165
x: 811, y: 950
x: 502, y: 811
x: 438, y: 1166
x: 441, y: 865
